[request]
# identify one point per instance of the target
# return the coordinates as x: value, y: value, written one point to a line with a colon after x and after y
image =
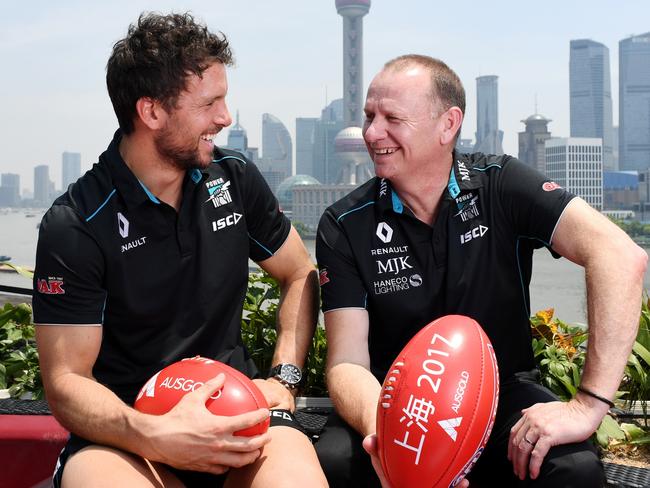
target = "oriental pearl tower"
x: 349, y: 145
x: 352, y: 12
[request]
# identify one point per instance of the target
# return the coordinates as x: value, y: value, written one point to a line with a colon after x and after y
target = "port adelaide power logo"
x: 219, y: 192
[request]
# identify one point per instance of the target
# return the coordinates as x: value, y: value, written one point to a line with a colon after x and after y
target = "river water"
x: 556, y: 283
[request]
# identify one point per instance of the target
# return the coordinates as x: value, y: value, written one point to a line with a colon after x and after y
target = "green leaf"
x: 642, y: 352
x: 633, y: 431
x: 609, y: 429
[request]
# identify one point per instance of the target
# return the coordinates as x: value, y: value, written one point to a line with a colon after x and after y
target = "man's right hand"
x: 371, y: 447
x: 190, y: 437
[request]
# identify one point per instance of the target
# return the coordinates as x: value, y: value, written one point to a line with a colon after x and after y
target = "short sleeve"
x: 340, y: 283
x: 533, y: 202
x: 69, y: 271
x: 268, y: 227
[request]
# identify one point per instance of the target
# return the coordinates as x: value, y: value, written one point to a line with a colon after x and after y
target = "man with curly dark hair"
x: 144, y: 261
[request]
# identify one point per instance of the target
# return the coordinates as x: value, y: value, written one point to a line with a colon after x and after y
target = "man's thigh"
x: 564, y: 465
x: 289, y: 460
x: 108, y: 467
x: 82, y: 464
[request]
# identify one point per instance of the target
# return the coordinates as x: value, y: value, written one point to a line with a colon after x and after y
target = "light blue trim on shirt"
x: 259, y: 244
x: 398, y: 206
x: 226, y: 157
x: 151, y: 196
x: 493, y: 165
x: 101, y: 206
x: 196, y: 175
x: 354, y: 210
x: 452, y: 186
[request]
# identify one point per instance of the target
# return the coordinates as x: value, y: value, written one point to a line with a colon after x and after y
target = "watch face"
x: 291, y: 374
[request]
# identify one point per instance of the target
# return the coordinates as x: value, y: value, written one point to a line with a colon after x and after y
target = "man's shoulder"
x: 228, y: 157
x: 89, y: 193
x: 362, y: 197
x: 482, y: 162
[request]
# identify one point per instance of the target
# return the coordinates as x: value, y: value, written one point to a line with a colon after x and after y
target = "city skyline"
x: 287, y: 65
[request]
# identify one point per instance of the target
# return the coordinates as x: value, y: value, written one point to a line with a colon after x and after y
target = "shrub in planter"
x: 19, y: 370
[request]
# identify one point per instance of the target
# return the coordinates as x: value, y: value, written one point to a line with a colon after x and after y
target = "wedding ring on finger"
x: 529, y: 441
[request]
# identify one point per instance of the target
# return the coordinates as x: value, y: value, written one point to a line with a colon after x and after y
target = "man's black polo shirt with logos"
x: 475, y: 260
x: 164, y: 284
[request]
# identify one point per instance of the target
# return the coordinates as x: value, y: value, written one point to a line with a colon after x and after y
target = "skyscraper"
x: 237, y: 137
x: 9, y: 190
x: 276, y: 151
x: 634, y: 103
x: 576, y: 163
x: 489, y: 138
x: 352, y: 12
x: 70, y: 168
x: 42, y: 185
x: 326, y: 163
x: 305, y: 131
x: 591, y: 94
x: 531, y: 142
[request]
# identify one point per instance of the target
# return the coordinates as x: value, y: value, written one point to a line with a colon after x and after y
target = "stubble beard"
x: 178, y: 154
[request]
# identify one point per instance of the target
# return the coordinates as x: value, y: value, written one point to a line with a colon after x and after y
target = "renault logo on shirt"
x: 384, y: 232
x: 122, y: 225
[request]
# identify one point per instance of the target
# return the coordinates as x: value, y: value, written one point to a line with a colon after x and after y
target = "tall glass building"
x: 489, y: 138
x: 634, y: 102
x: 276, y: 147
x: 590, y: 94
x: 70, y: 168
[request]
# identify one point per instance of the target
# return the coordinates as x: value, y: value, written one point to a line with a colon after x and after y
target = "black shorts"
x: 190, y: 479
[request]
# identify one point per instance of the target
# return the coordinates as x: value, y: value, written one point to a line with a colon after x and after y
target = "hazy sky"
x: 289, y: 61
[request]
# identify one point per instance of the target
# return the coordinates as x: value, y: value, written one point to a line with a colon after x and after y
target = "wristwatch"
x: 288, y: 374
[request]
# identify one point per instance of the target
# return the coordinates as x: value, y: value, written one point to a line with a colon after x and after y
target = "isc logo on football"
x: 475, y: 233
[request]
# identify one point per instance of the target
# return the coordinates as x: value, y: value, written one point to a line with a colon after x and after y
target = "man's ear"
x: 452, y: 120
x: 151, y: 113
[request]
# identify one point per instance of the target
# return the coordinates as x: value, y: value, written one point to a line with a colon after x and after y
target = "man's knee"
x: 342, y: 456
x: 572, y: 465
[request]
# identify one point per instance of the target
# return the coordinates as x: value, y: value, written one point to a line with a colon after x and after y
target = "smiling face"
x: 402, y: 122
x: 200, y: 112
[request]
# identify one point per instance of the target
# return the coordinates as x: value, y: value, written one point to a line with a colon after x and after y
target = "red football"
x: 238, y: 394
x: 437, y: 404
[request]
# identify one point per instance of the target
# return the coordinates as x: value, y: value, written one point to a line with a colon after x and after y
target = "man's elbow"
x: 637, y: 260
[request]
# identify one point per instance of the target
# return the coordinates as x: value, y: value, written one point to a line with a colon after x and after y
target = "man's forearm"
x: 93, y: 412
x: 297, y: 316
x: 614, y: 288
x: 355, y: 393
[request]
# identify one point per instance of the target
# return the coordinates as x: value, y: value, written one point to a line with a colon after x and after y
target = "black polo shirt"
x: 164, y: 284
x: 475, y: 260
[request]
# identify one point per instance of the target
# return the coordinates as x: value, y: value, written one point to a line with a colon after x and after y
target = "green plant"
x: 19, y: 369
x: 635, y: 387
x: 559, y: 352
x: 259, y: 333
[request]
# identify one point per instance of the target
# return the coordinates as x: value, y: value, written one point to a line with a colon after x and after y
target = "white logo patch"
x: 224, y: 222
x: 122, y: 225
x: 218, y: 191
x: 384, y: 232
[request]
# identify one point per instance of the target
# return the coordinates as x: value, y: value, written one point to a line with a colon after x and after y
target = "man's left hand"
x: 276, y: 394
x: 545, y: 425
